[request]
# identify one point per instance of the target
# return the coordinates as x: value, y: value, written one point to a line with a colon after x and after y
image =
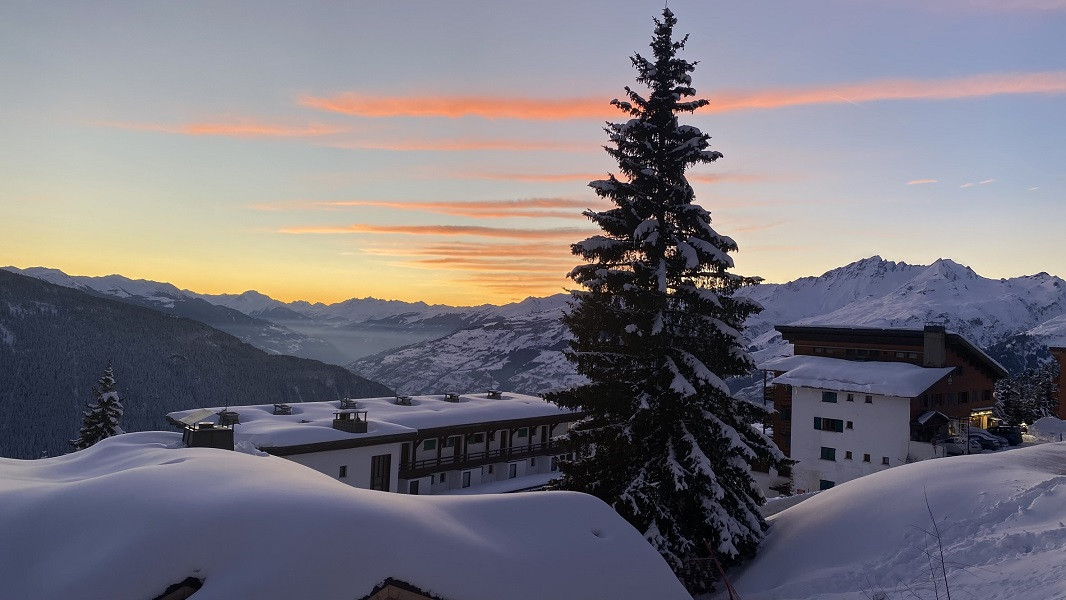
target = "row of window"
x: 477, y: 438
x: 951, y: 398
x: 866, y: 353
x: 831, y: 454
x: 832, y: 397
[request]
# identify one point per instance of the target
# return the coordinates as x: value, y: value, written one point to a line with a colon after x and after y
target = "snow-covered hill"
x: 136, y: 513
x: 1000, y: 518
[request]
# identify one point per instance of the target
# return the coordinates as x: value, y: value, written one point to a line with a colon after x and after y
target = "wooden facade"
x: 1059, y: 353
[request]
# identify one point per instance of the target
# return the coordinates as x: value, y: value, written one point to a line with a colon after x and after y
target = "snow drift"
x: 1002, y: 519
x: 138, y: 512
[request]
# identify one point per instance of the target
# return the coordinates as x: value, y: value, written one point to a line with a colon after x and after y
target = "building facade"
x: 470, y: 443
x: 852, y: 401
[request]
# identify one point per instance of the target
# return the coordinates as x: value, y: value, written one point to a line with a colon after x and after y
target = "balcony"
x: 470, y: 460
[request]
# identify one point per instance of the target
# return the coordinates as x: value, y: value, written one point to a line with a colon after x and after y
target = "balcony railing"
x: 417, y: 468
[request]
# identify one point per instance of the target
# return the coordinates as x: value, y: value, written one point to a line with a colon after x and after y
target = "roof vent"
x: 228, y: 417
x: 349, y: 403
x: 282, y: 409
x: 403, y: 400
x: 451, y: 397
x: 495, y: 394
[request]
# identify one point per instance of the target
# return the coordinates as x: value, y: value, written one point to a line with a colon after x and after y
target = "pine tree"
x: 1027, y: 397
x: 102, y: 417
x: 655, y: 331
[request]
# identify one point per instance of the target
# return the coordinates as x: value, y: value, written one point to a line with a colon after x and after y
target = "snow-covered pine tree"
x: 1028, y: 396
x: 655, y: 331
x: 103, y: 415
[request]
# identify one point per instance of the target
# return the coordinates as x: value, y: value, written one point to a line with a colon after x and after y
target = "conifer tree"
x: 103, y: 415
x: 655, y: 331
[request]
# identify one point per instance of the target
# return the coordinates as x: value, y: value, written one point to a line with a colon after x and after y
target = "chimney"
x: 935, y: 352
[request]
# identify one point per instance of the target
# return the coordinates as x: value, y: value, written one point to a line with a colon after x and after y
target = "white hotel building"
x: 452, y: 443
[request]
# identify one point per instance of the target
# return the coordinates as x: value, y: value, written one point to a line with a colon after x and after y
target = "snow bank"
x: 138, y: 512
x: 1002, y: 518
x: 1048, y: 429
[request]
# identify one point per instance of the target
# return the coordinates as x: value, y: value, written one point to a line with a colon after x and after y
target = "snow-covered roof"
x: 865, y: 377
x: 312, y: 422
x: 136, y: 513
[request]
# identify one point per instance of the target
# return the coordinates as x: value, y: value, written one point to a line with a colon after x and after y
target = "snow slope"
x: 1001, y: 516
x: 138, y: 512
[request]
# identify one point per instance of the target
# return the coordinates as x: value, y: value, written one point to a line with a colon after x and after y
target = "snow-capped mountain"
x: 520, y: 352
x: 872, y: 292
x: 420, y: 348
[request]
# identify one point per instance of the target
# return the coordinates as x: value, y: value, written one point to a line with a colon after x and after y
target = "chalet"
x: 451, y: 443
x: 852, y: 401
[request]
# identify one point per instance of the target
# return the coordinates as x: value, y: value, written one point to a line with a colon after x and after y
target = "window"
x: 819, y: 350
x: 478, y: 438
x: 851, y: 425
x: 466, y: 479
x: 986, y: 395
x: 851, y: 397
x: 824, y: 424
x: 912, y: 355
x: 847, y: 455
x: 829, y: 397
x: 786, y: 413
x: 555, y: 464
x: 380, y: 472
x: 828, y: 453
x: 444, y: 477
x: 343, y: 472
x: 491, y: 469
x: 533, y: 461
x: 964, y: 397
x: 869, y: 399
x: 884, y: 460
x: 412, y: 487
x: 925, y: 400
x: 451, y: 441
x: 512, y: 470
x: 523, y: 432
x: 429, y: 444
x: 492, y: 436
x: 865, y: 458
x: 938, y: 399
x: 825, y: 484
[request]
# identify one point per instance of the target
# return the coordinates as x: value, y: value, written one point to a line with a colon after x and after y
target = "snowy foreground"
x: 1002, y: 519
x: 138, y: 512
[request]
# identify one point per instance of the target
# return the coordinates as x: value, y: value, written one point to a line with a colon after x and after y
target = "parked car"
x: 955, y: 445
x: 987, y: 440
x: 1011, y: 433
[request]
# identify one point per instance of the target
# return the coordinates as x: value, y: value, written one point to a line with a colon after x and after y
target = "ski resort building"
x: 853, y: 401
x: 451, y: 443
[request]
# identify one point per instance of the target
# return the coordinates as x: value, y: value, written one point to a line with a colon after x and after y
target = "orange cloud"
x: 241, y: 129
x: 533, y: 109
x: 1049, y: 82
x: 526, y: 207
x: 464, y: 145
x: 478, y: 250
x: 535, y: 177
x: 454, y: 107
x: 444, y: 230
x: 921, y: 181
x: 719, y: 177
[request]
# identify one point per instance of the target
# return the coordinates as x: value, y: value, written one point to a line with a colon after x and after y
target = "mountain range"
x: 418, y: 348
x: 56, y: 341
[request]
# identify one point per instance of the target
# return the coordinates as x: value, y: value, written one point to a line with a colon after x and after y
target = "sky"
x: 441, y: 151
